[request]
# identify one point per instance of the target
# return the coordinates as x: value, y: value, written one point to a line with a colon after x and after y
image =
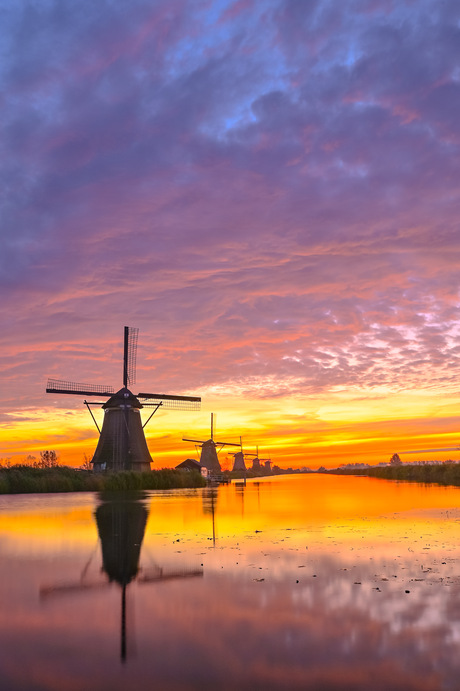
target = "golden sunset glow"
x: 339, y: 428
x: 265, y: 504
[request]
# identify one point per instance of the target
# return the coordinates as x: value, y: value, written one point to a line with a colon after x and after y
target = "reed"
x: 23, y: 479
x: 443, y: 474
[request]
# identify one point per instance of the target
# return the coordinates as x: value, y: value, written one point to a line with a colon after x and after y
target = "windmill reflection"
x: 121, y: 527
x: 121, y: 520
x: 209, y: 500
x: 210, y: 497
x: 239, y: 491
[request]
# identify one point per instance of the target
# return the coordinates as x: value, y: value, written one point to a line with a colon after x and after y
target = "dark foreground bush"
x: 443, y: 474
x: 26, y: 480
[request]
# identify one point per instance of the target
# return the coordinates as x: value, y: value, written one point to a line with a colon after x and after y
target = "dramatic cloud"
x: 269, y: 190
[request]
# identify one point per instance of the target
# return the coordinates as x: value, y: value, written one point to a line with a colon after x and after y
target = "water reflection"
x: 121, y: 526
x: 240, y: 491
x: 121, y: 519
x: 304, y: 586
x: 209, y: 498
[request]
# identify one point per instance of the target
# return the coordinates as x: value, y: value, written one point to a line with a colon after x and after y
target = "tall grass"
x: 23, y: 479
x: 443, y: 474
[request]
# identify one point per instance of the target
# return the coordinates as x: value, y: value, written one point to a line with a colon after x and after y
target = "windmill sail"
x: 171, y: 402
x: 130, y: 356
x: 70, y: 387
x: 217, y: 443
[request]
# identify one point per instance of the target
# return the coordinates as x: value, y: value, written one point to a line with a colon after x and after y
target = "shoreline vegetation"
x: 25, y: 479
x: 447, y: 473
x: 28, y: 479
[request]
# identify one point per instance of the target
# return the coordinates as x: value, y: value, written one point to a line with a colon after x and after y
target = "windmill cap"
x: 123, y: 397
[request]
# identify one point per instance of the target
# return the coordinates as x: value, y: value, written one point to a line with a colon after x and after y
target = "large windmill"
x: 122, y: 444
x: 121, y: 526
x: 209, y: 450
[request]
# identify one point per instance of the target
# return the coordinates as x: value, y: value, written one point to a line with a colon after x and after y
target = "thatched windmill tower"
x: 238, y: 461
x: 256, y: 462
x: 122, y: 444
x: 209, y: 450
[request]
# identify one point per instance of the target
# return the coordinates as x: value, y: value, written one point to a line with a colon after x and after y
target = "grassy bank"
x: 444, y: 474
x: 27, y: 480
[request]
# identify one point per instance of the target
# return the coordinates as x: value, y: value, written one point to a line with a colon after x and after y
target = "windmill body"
x: 209, y: 458
x: 209, y: 450
x: 256, y: 465
x: 122, y: 444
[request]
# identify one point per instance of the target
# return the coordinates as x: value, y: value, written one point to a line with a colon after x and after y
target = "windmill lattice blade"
x: 227, y: 443
x: 173, y: 402
x: 76, y: 389
x: 63, y: 589
x: 170, y: 576
x: 217, y: 443
x: 130, y: 355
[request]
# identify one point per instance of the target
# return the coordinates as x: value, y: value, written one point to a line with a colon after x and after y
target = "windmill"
x: 121, y: 526
x: 238, y: 459
x: 256, y: 461
x: 209, y: 450
x: 122, y: 444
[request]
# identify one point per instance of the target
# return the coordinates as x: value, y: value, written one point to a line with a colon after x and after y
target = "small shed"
x: 189, y: 464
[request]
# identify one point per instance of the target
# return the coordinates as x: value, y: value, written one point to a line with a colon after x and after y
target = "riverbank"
x: 27, y: 480
x: 443, y: 474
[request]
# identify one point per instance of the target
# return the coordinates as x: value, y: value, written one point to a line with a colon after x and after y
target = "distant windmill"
x: 122, y: 444
x: 209, y: 450
x: 238, y: 459
x: 256, y: 461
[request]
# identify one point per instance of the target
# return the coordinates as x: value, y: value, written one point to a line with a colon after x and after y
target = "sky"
x: 267, y: 189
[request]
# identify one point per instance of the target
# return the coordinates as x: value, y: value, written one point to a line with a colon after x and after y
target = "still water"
x: 312, y: 582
